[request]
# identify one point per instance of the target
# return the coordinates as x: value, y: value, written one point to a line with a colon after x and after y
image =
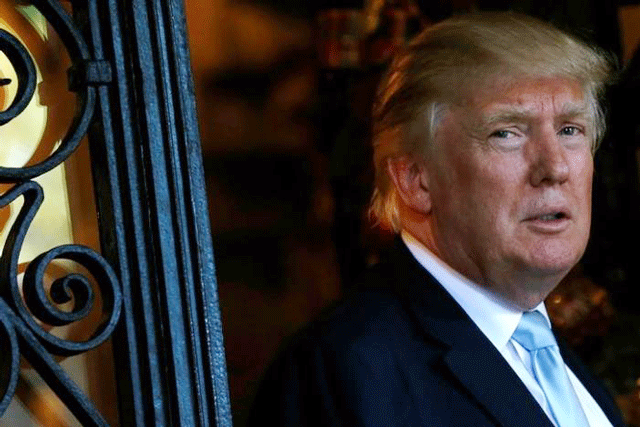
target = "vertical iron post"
x: 151, y: 198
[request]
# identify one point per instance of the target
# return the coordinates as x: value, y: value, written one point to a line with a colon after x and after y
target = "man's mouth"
x: 549, y: 222
x: 554, y: 216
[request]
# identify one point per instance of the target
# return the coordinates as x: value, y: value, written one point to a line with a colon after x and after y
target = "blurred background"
x: 284, y: 91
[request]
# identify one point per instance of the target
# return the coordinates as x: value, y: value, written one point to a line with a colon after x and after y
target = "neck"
x: 508, y: 288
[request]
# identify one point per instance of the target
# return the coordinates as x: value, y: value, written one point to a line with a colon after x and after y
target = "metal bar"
x: 133, y: 65
x: 154, y: 220
x: 208, y: 313
x: 120, y: 200
x: 55, y: 377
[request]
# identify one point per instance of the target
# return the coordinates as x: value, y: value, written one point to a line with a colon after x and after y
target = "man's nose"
x: 549, y: 160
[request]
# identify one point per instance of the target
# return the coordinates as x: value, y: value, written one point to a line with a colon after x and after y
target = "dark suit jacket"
x: 401, y: 353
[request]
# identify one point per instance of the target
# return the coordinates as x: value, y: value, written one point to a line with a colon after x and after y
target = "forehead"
x: 528, y: 97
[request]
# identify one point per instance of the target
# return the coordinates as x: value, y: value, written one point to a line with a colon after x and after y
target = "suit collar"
x: 467, y: 353
x: 493, y: 315
x: 470, y: 356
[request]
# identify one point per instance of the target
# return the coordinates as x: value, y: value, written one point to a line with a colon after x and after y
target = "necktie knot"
x: 533, y: 332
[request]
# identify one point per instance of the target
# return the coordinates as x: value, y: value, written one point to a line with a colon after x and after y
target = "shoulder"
x: 371, y: 334
x: 343, y: 368
x: 376, y: 318
x: 363, y: 361
x: 372, y: 312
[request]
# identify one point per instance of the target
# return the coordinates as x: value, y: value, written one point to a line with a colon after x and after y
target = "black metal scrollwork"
x: 25, y: 70
x: 21, y: 61
x: 36, y: 303
x: 9, y: 357
x: 24, y: 308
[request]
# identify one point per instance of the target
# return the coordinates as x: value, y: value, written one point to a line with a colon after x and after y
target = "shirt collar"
x: 494, y: 317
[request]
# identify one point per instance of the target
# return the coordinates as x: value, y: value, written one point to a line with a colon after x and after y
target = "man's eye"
x: 570, y: 131
x: 501, y: 134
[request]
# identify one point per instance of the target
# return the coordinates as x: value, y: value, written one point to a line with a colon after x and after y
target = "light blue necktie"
x: 534, y: 334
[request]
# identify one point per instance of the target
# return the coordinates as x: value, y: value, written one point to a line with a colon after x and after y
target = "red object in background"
x: 340, y: 38
x: 344, y: 41
x: 390, y: 36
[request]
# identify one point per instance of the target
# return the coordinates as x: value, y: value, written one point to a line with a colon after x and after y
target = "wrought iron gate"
x: 155, y: 274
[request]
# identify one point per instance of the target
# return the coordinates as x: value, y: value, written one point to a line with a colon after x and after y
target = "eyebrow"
x: 514, y: 113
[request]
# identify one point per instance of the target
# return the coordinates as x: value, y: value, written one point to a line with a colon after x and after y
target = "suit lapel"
x: 496, y: 387
x: 469, y: 355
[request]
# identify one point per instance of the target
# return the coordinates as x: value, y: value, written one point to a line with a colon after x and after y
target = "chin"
x: 538, y: 289
x: 532, y: 302
x: 554, y: 259
x: 550, y: 274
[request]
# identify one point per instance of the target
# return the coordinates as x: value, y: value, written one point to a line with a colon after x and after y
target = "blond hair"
x: 444, y: 63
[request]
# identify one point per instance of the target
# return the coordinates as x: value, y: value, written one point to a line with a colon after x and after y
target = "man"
x: 484, y: 131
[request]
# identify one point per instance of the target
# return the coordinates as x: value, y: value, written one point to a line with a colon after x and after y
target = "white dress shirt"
x: 498, y: 320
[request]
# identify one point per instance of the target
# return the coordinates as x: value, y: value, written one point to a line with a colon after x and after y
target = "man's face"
x: 510, y: 185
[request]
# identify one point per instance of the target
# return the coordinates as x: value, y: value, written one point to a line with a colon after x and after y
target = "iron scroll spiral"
x: 24, y: 309
x: 40, y: 305
x: 25, y: 70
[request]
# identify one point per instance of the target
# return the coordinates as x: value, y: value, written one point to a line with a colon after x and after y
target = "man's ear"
x: 411, y: 182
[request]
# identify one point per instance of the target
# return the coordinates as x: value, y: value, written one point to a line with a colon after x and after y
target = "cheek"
x: 497, y: 183
x: 480, y: 187
x: 584, y: 179
x: 482, y: 202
